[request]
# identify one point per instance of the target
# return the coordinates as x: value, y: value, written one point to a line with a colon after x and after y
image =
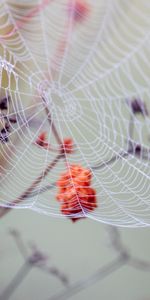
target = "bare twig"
x: 123, y: 258
x: 113, y: 159
x: 16, y: 281
x: 19, y: 242
x: 100, y: 274
x: 43, y: 189
x: 36, y: 259
x: 52, y: 123
x: 5, y: 210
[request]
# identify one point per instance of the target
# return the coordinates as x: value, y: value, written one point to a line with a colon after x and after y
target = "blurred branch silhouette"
x: 123, y: 258
x: 37, y: 259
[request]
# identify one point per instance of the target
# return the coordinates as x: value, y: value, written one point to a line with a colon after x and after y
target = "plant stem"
x: 52, y: 124
x: 113, y: 159
x: 131, y: 132
x: 100, y: 274
x: 5, y: 210
x: 16, y: 281
x: 19, y: 243
x: 28, y: 192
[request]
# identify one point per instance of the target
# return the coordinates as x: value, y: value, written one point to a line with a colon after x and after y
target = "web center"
x: 57, y: 99
x: 61, y: 102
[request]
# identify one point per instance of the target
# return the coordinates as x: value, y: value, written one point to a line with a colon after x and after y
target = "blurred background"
x: 43, y: 257
x: 77, y: 251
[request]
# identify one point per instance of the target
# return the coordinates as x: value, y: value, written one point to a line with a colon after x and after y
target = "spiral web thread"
x: 87, y: 73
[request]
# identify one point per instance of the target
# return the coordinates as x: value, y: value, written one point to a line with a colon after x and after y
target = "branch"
x: 123, y: 258
x: 5, y: 210
x: 100, y: 274
x: 51, y: 123
x: 21, y: 274
x: 108, y: 162
x: 36, y: 259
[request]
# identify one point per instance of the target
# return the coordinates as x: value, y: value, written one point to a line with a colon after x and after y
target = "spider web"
x: 87, y: 72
